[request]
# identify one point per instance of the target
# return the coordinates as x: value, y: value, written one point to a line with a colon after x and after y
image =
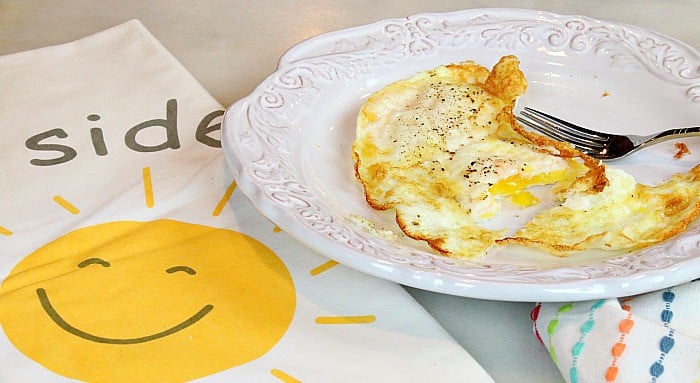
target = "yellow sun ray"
x: 5, y: 231
x: 148, y: 186
x: 319, y: 269
x: 283, y: 376
x: 222, y: 202
x: 276, y: 229
x: 356, y: 319
x: 66, y: 205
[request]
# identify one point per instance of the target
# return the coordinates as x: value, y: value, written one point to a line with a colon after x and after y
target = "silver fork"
x: 604, y: 146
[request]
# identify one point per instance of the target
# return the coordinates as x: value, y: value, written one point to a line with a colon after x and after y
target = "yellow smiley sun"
x: 159, y: 301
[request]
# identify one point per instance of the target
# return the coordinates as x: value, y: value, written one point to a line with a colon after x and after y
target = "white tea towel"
x: 128, y: 255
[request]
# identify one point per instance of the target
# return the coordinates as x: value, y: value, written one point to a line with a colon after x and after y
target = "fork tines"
x: 585, y: 140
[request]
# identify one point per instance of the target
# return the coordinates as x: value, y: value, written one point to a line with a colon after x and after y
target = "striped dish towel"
x: 654, y: 337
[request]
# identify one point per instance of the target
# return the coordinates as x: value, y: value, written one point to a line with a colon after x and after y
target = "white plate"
x: 289, y: 141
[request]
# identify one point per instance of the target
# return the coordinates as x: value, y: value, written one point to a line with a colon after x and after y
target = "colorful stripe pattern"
x: 667, y: 342
x: 552, y: 326
x: 534, y: 314
x: 578, y: 347
x: 625, y: 326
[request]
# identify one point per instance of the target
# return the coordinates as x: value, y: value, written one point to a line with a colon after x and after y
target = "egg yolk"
x: 515, y: 185
x: 524, y: 198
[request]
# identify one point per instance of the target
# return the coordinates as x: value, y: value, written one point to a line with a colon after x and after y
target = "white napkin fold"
x: 652, y: 337
x: 128, y: 255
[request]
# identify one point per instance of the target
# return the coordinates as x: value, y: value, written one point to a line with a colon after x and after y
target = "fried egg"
x: 444, y: 151
x: 626, y: 215
x: 440, y: 149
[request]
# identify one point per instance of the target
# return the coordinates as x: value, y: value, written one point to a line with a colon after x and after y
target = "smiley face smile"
x: 53, y: 314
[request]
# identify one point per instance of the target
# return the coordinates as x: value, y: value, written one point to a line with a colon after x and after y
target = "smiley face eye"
x: 184, y: 269
x: 93, y: 261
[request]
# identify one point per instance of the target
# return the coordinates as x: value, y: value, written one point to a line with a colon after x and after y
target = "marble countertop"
x: 230, y: 46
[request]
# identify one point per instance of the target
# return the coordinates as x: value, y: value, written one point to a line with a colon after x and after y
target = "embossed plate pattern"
x: 289, y: 141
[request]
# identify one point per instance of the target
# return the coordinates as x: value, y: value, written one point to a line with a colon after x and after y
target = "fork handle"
x: 675, y: 133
